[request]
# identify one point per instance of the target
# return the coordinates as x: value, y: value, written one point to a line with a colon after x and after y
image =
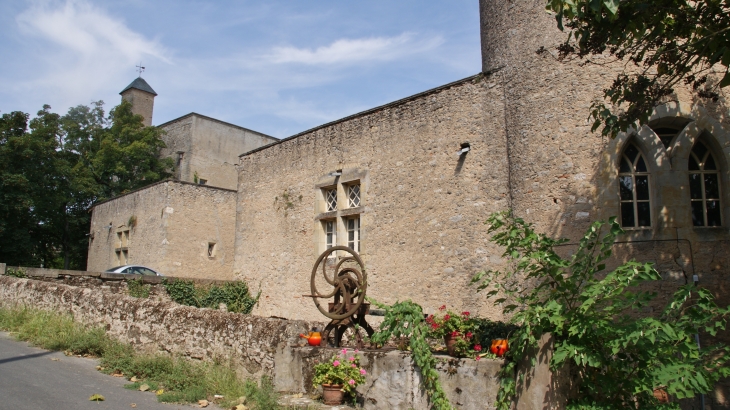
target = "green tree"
x: 618, y: 355
x: 668, y: 42
x: 54, y: 168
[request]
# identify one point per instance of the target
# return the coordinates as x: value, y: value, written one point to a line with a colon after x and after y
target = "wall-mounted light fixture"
x: 465, y: 147
x: 335, y: 173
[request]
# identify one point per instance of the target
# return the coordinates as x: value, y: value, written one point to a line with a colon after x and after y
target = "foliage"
x: 405, y: 320
x: 668, y: 42
x: 54, y: 168
x: 461, y: 327
x: 486, y: 330
x: 235, y: 295
x: 16, y: 273
x: 182, y: 380
x: 619, y: 356
x: 137, y: 289
x: 340, y: 369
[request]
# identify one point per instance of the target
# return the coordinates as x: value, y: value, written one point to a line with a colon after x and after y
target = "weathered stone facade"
x: 422, y: 206
x: 206, y: 150
x: 169, y: 226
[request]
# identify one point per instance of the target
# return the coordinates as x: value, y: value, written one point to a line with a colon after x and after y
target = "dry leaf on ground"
x: 203, y: 403
x: 96, y: 397
x: 144, y: 387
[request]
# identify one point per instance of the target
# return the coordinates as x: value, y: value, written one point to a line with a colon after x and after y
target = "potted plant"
x: 339, y: 376
x: 457, y: 330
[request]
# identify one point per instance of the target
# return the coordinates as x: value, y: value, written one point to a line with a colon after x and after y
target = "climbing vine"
x: 405, y: 320
x: 137, y: 289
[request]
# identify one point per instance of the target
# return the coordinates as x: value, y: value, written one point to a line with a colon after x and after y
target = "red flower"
x: 429, y: 319
x: 443, y: 307
x: 434, y: 326
x: 465, y: 314
x: 447, y: 317
x: 477, y: 358
x: 469, y: 335
x: 454, y: 333
x: 477, y: 348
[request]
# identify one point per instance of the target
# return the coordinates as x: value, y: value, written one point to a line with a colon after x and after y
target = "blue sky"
x: 278, y: 67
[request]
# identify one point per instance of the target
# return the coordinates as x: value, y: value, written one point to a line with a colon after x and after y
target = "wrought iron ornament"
x: 344, y: 294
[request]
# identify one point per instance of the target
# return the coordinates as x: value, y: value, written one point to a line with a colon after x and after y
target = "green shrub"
x: 137, y: 289
x: 618, y: 356
x: 235, y: 295
x: 16, y: 273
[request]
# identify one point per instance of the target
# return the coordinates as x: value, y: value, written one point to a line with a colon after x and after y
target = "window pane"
x: 712, y: 190
x: 710, y: 163
x: 625, y: 167
x: 693, y: 165
x: 699, y: 149
x: 713, y: 213
x: 627, y: 214
x: 330, y: 197
x: 631, y: 152
x: 625, y: 184
x: 644, y: 214
x: 697, y: 215
x: 642, y: 188
x: 354, y: 195
x: 695, y: 186
x: 641, y: 165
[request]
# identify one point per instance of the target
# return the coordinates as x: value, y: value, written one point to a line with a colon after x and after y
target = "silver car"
x: 134, y: 270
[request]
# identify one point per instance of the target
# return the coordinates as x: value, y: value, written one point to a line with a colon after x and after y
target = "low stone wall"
x: 255, y: 345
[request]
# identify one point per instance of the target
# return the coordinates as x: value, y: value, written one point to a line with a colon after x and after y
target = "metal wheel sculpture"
x: 346, y: 286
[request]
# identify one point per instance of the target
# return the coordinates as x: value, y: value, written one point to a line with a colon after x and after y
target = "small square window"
x: 353, y: 196
x: 330, y: 197
x: 211, y: 249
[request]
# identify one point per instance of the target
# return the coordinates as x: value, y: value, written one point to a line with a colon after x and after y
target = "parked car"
x: 134, y: 270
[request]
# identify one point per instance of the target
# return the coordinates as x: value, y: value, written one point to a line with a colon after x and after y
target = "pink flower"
x: 447, y: 317
x: 443, y: 307
x: 336, y: 363
x: 478, y: 358
x: 351, y: 382
x: 363, y: 372
x: 352, y: 359
x: 357, y: 351
x: 353, y: 365
x: 477, y: 348
x: 344, y: 351
x: 465, y: 314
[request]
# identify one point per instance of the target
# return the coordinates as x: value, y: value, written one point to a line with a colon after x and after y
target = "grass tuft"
x: 183, y: 380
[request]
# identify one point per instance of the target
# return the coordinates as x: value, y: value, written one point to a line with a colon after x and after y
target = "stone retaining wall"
x: 255, y: 345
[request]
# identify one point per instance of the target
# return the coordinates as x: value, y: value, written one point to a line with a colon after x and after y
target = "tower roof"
x: 140, y: 84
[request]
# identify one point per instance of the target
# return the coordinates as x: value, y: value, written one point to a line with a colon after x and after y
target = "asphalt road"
x: 33, y: 378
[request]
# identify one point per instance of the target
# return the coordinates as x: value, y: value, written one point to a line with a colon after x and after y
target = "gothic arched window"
x: 704, y: 187
x: 633, y: 179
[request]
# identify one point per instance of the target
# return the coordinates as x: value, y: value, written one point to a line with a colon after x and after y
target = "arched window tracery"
x: 634, y: 189
x: 704, y: 186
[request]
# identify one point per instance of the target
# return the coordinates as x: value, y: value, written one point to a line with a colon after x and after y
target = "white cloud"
x: 346, y: 51
x: 82, y: 49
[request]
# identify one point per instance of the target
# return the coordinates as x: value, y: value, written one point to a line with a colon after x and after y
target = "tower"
x: 142, y: 98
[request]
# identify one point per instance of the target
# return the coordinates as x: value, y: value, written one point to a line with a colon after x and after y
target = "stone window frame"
x: 717, y: 172
x: 635, y: 169
x: 668, y: 164
x: 121, y: 246
x: 340, y: 180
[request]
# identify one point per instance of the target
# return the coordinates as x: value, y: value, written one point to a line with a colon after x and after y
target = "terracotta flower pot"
x: 332, y: 394
x: 450, y: 343
x: 661, y: 395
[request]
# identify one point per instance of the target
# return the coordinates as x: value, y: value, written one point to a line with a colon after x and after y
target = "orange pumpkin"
x: 499, y: 347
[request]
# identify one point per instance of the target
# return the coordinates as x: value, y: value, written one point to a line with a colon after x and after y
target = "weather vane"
x: 140, y: 69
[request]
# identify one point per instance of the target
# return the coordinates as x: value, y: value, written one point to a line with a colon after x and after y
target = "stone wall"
x: 255, y: 345
x: 170, y: 226
x: 209, y: 147
x: 422, y: 209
